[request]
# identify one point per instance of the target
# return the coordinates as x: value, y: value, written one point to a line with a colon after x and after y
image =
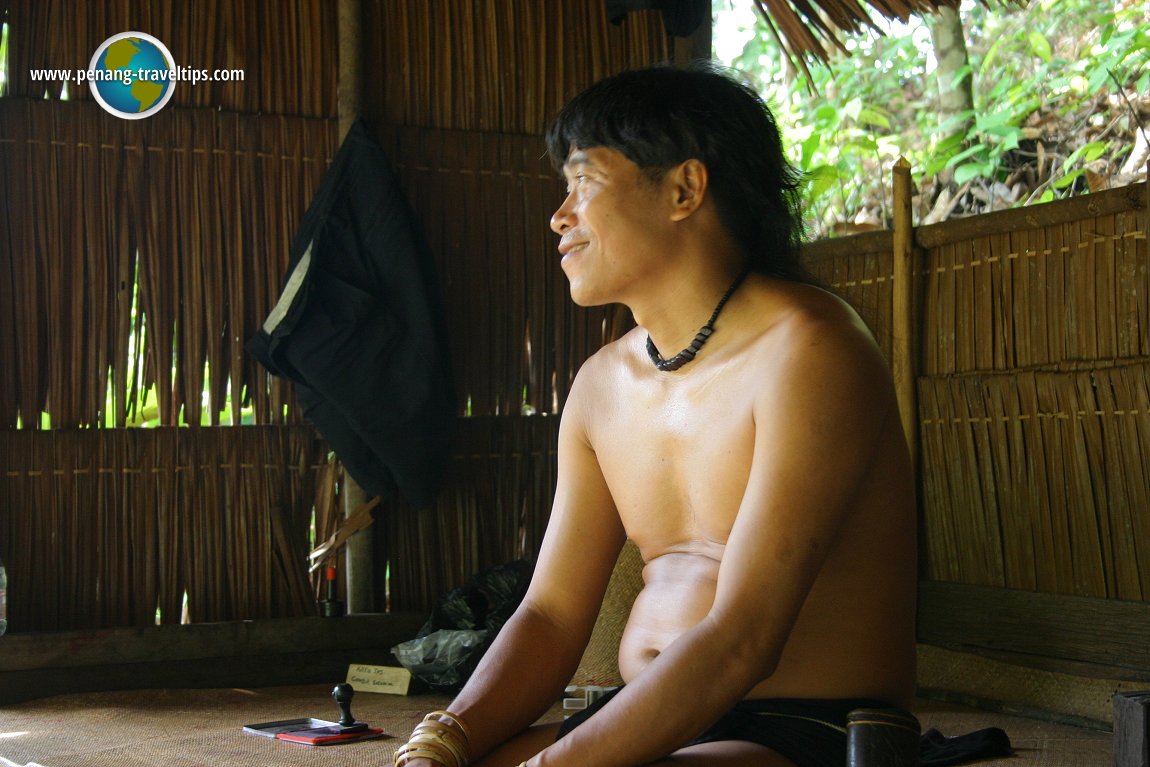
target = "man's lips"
x: 572, y: 246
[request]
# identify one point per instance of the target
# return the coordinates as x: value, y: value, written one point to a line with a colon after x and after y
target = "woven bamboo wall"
x: 101, y: 527
x: 1034, y: 391
x: 201, y: 202
x: 493, y: 510
x: 286, y: 49
x: 466, y: 91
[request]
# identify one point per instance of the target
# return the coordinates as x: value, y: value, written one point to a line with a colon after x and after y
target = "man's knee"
x: 522, y: 747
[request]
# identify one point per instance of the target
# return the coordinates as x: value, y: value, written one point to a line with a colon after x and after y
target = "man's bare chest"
x: 677, y: 460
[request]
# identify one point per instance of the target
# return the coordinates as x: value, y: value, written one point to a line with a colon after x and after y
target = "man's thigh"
x: 728, y: 753
x: 725, y: 753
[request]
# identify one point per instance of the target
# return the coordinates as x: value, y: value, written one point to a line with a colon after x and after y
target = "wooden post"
x: 697, y: 47
x: 904, y: 354
x: 1132, y: 729
x: 349, y: 88
x: 359, y: 565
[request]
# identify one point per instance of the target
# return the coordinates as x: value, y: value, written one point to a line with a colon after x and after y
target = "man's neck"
x: 674, y: 315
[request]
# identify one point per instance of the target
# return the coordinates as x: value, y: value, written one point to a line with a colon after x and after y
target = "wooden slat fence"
x: 1034, y: 401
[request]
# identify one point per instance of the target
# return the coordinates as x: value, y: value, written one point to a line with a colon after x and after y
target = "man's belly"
x: 832, y: 652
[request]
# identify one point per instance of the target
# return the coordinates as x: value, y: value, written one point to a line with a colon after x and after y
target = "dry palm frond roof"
x: 806, y: 27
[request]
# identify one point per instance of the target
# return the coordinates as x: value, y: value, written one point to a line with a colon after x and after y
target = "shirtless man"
x: 766, y: 480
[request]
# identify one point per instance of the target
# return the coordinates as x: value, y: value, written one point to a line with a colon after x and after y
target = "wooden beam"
x: 1058, y: 212
x: 1006, y: 685
x: 1086, y: 630
x: 697, y: 47
x: 231, y: 654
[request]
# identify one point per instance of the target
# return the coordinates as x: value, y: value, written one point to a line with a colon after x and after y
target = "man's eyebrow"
x: 578, y: 157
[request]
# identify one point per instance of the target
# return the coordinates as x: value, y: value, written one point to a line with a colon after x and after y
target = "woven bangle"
x: 441, y: 730
x: 409, y: 751
x: 454, y: 719
x: 434, y: 741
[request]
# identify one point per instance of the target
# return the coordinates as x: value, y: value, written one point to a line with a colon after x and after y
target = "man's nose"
x: 562, y: 218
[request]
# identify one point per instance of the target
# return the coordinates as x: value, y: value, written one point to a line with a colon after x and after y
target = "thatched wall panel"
x: 1047, y: 294
x: 504, y: 66
x: 493, y: 509
x: 485, y: 200
x: 202, y: 204
x: 1036, y: 480
x: 1033, y: 391
x: 860, y: 269
x: 103, y: 527
x: 286, y: 49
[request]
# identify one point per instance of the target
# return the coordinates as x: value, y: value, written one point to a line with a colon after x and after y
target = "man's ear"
x: 689, y: 186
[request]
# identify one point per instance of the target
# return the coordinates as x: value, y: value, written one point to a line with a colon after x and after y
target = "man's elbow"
x: 750, y: 652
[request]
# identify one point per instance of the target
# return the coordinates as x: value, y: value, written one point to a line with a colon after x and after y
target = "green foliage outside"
x: 1050, y: 118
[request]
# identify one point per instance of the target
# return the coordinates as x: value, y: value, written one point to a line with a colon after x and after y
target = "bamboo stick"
x: 904, y: 361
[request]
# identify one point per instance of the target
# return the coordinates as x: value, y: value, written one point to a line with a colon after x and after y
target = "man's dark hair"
x: 661, y: 116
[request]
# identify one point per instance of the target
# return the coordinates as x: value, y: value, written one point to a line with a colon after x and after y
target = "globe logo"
x: 132, y: 75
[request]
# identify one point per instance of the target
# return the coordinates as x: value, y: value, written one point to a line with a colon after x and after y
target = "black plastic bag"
x: 463, y: 625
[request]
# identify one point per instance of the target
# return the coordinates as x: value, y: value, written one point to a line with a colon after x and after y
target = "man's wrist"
x: 442, y: 737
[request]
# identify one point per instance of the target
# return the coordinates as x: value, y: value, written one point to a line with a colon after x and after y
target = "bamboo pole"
x: 359, y: 565
x: 903, y: 353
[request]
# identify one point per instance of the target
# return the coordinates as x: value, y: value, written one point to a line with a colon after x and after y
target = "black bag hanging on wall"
x: 359, y: 328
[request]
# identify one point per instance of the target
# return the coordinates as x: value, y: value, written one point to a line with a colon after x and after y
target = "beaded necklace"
x: 688, y: 354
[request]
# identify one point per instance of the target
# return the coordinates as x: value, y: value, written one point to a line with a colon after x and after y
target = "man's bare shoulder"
x: 795, y: 307
x: 791, y: 322
x: 606, y: 367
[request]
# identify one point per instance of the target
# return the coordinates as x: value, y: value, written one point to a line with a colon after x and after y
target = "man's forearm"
x: 678, y: 695
x: 520, y: 677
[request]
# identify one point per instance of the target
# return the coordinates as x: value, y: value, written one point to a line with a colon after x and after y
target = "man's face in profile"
x: 610, y: 224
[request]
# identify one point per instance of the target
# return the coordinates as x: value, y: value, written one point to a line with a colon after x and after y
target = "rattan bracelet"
x: 443, y: 730
x: 454, y: 719
x: 437, y: 740
x: 409, y: 751
x: 434, y: 740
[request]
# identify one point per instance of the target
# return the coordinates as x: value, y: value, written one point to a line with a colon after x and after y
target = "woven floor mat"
x: 189, y: 728
x: 194, y: 728
x: 1036, y: 743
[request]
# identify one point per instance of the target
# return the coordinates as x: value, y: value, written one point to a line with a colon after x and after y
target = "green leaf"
x: 868, y: 116
x: 853, y: 108
x: 1087, y: 153
x: 964, y: 154
x: 1039, y: 45
x: 964, y: 173
x: 809, y: 147
x: 1068, y: 179
x: 826, y: 112
x: 819, y: 180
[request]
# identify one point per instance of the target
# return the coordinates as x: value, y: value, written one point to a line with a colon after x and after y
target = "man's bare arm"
x: 817, y: 420
x: 538, y: 650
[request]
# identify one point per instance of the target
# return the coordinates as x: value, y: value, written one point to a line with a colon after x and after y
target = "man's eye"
x: 577, y: 179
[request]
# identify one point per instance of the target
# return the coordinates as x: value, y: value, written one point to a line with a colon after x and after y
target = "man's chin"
x: 586, y: 300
